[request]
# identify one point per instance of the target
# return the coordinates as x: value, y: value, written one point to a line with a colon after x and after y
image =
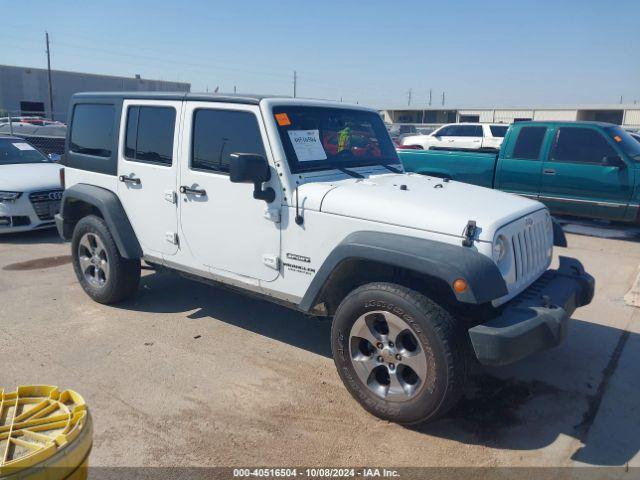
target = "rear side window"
x: 92, y: 129
x: 529, y: 142
x: 219, y: 133
x: 498, y: 131
x: 581, y: 145
x: 149, y: 136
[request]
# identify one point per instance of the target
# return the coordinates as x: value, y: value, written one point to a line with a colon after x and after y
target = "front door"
x: 577, y: 180
x: 147, y: 172
x: 226, y: 229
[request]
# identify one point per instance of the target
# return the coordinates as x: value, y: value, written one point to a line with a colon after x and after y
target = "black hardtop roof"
x: 249, y: 99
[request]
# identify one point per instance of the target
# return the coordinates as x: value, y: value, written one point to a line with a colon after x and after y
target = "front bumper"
x: 20, y: 216
x: 536, y: 319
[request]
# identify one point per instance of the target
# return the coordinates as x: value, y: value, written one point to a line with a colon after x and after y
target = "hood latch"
x: 469, y: 232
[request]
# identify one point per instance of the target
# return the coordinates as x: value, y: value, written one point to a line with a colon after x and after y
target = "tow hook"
x: 469, y: 233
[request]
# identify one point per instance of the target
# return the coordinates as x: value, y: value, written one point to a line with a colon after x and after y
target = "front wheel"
x: 103, y: 273
x: 398, y: 353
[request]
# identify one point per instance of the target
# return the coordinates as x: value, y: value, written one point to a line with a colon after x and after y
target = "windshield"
x: 320, y: 138
x: 625, y: 141
x: 14, y: 150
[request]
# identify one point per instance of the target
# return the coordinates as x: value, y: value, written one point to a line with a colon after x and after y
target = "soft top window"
x: 322, y: 138
x: 92, y: 129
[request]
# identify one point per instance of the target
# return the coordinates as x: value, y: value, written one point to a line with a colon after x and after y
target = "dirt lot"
x: 187, y: 374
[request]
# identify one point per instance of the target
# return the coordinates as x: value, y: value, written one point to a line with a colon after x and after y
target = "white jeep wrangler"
x: 305, y: 203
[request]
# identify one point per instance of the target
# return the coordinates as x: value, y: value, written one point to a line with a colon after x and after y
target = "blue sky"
x: 481, y: 53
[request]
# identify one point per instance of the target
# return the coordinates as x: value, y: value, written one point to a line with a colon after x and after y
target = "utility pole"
x: 49, y: 74
x: 430, y: 94
x: 443, y: 99
x: 409, y: 94
x: 295, y: 83
x: 235, y: 90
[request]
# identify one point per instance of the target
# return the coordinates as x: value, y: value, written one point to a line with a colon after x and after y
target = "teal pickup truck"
x: 586, y: 169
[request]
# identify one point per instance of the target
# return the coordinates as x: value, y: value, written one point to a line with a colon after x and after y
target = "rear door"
x: 576, y: 179
x: 520, y: 161
x: 147, y: 171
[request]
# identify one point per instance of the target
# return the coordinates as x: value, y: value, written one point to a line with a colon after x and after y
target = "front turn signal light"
x: 460, y: 285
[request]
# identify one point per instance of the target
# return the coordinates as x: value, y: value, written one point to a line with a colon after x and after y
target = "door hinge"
x: 170, y: 196
x: 172, y: 237
x: 271, y: 261
x: 272, y: 214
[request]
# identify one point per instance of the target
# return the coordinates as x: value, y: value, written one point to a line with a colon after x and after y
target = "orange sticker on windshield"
x: 617, y: 138
x: 283, y: 119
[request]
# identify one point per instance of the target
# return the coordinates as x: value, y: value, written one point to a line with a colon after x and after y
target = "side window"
x: 581, y: 145
x: 454, y: 131
x: 475, y: 131
x: 219, y: 133
x: 149, y: 136
x: 92, y: 129
x: 444, y: 132
x: 529, y: 142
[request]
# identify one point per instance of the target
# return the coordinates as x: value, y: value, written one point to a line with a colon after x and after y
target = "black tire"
x: 123, y: 274
x: 438, y: 334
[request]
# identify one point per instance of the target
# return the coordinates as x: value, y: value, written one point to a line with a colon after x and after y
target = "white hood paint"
x: 29, y: 177
x: 422, y: 205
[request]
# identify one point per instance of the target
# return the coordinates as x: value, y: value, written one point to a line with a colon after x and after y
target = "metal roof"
x: 612, y: 106
x: 206, y: 97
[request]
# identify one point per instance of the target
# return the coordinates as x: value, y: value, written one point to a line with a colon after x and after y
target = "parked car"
x: 30, y: 190
x: 586, y: 169
x: 254, y: 193
x: 470, y: 136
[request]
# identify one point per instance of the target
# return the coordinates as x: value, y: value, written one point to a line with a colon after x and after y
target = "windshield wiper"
x: 351, y: 173
x: 390, y: 168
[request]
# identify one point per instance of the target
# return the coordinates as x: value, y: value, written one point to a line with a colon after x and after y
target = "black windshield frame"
x: 388, y: 156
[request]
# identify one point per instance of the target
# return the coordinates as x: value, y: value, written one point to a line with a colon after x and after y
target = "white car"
x: 470, y: 136
x: 30, y: 190
x: 305, y: 203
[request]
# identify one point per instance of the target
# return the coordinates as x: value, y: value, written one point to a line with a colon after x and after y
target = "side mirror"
x: 252, y: 168
x: 613, y: 161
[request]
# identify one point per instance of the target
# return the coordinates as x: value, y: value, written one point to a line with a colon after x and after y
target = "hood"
x: 29, y: 177
x: 421, y: 202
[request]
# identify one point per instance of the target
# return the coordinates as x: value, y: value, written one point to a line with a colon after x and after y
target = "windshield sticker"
x: 307, y: 145
x: 23, y: 146
x: 283, y: 119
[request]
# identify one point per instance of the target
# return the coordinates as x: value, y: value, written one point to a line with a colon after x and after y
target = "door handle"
x: 549, y: 171
x: 192, y: 191
x: 132, y: 180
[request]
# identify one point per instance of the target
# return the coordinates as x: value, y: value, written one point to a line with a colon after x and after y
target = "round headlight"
x: 499, y: 248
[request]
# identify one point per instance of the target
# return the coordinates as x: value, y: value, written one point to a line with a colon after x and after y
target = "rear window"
x: 149, y: 135
x: 498, y: 130
x: 529, y: 142
x: 92, y: 129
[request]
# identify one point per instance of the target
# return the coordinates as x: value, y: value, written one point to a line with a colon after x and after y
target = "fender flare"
x: 112, y: 211
x: 436, y: 259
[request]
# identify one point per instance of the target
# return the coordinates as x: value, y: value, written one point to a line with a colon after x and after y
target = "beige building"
x: 625, y: 115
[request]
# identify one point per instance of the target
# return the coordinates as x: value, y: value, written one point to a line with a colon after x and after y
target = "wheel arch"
x: 81, y: 200
x: 421, y: 264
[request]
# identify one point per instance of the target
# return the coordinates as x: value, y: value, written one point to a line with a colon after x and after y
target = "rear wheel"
x: 399, y: 354
x: 104, y: 274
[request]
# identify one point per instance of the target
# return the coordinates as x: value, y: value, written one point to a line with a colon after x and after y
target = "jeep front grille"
x: 531, y: 246
x: 46, y: 203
